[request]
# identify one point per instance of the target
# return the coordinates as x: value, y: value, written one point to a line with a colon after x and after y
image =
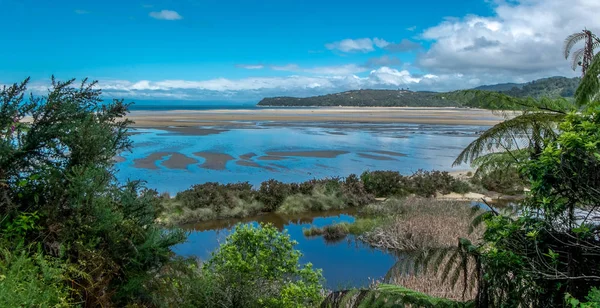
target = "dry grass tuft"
x: 424, y: 224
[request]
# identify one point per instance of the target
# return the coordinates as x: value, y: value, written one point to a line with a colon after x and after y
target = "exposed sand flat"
x: 179, y: 161
x: 149, y: 162
x: 375, y: 157
x: 389, y: 153
x: 119, y: 159
x: 191, y: 118
x: 271, y: 158
x: 193, y: 131
x: 247, y: 156
x: 317, y: 154
x: 214, y: 161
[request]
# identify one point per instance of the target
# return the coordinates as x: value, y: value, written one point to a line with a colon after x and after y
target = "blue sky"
x: 199, y: 49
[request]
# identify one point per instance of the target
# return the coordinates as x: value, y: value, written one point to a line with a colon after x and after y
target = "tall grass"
x: 220, y: 201
x: 423, y: 224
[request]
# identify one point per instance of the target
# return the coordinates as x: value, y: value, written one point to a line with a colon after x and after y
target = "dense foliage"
x: 546, y: 87
x: 70, y: 235
x: 259, y: 267
x: 213, y: 200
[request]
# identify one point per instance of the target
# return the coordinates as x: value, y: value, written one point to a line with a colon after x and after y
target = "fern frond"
x: 491, y: 140
x: 500, y: 160
x: 571, y: 40
x: 397, y: 296
x: 589, y: 88
x: 576, y: 58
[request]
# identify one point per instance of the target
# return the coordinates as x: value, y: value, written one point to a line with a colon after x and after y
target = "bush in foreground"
x: 259, y: 267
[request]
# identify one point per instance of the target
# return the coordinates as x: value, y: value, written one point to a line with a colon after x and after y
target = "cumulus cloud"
x: 368, y: 45
x: 166, y: 15
x: 250, y: 66
x: 255, y: 88
x: 346, y: 69
x: 352, y: 45
x: 404, y: 46
x: 384, y: 60
x: 522, y: 39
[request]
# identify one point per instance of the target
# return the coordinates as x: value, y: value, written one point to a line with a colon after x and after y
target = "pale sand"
x: 195, y: 118
x: 119, y: 159
x: 214, y: 161
x: 149, y: 162
x: 316, y: 154
x: 179, y: 161
x: 247, y: 156
x: 390, y: 153
x: 375, y: 157
x: 193, y: 131
x: 271, y: 158
x: 175, y: 161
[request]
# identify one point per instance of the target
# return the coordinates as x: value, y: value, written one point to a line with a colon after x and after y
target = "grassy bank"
x: 211, y: 201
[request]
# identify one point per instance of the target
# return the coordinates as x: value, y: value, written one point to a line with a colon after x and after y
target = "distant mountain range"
x: 551, y: 87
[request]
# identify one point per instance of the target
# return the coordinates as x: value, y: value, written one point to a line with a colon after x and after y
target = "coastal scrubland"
x: 210, y: 201
x: 72, y: 235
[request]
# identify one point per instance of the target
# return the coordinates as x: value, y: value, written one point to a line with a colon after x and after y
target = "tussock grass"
x: 423, y: 224
x: 320, y: 200
x: 432, y: 282
x: 341, y: 230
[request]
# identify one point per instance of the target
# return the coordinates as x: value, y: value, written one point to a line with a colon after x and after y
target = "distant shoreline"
x: 249, y: 117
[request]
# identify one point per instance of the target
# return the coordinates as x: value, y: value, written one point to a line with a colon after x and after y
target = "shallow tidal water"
x: 303, y: 152
x: 172, y: 160
x: 346, y: 263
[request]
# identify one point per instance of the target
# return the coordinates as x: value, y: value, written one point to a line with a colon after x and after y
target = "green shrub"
x: 259, y: 267
x: 500, y: 180
x: 32, y: 281
x: 215, y: 196
x: 272, y: 193
x: 383, y: 183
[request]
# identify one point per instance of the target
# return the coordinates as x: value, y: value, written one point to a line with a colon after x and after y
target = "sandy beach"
x: 186, y: 121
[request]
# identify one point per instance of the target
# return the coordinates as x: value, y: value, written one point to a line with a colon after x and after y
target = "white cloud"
x: 250, y: 66
x: 522, y: 39
x: 384, y: 60
x: 166, y: 15
x: 367, y: 45
x: 352, y: 45
x: 258, y: 87
x: 346, y: 69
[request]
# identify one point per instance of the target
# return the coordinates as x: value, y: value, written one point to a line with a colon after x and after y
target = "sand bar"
x: 316, y: 154
x: 149, y: 162
x: 247, y: 156
x: 271, y: 158
x: 194, y: 118
x: 375, y: 157
x: 214, y: 160
x: 390, y: 153
x: 179, y: 161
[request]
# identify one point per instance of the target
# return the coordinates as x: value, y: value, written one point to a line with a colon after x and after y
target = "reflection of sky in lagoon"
x: 426, y: 146
x: 344, y: 264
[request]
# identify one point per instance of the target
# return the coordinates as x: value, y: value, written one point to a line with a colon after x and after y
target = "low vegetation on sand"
x: 217, y: 201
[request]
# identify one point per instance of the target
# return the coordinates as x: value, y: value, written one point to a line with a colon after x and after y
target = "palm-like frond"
x: 397, y: 296
x: 505, y: 136
x: 589, y: 88
x: 577, y: 58
x: 500, y: 160
x: 571, y: 40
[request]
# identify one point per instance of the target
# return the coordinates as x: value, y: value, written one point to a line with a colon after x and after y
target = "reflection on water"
x: 358, y: 147
x: 345, y: 264
x: 279, y: 221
